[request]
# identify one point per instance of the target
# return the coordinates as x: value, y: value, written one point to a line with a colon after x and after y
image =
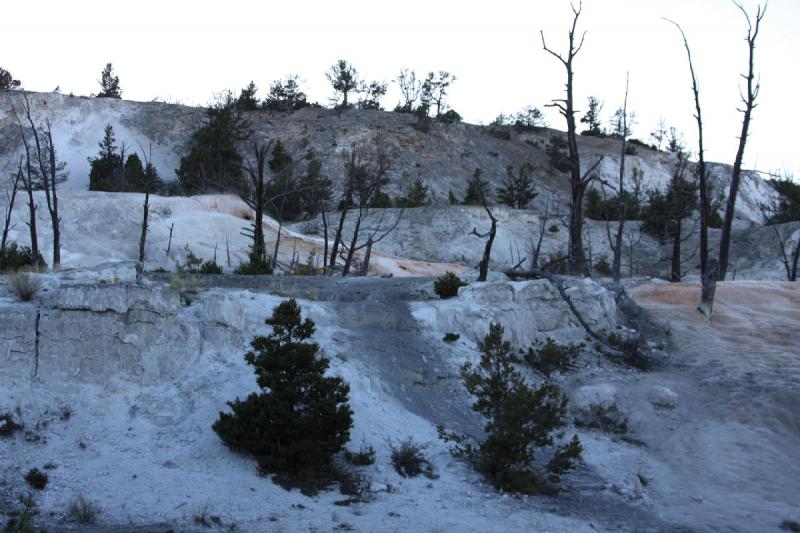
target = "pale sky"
x: 186, y: 51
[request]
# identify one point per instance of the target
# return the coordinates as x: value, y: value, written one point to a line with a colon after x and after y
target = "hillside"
x: 444, y: 158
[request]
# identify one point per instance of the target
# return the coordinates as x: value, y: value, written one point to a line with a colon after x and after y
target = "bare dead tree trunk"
x: 11, y: 199
x: 578, y: 183
x: 48, y: 170
x: 542, y: 229
x: 487, y: 251
x: 795, y: 257
x: 367, y: 254
x: 617, y: 247
x: 349, y: 260
x: 675, y: 269
x: 709, y: 286
x: 337, y: 238
x: 169, y: 242
x: 325, y: 250
x: 143, y: 237
x: 27, y: 181
x: 702, y: 179
x: 749, y: 100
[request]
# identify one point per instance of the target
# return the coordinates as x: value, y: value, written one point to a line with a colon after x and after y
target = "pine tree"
x: 417, y: 194
x: 517, y: 189
x: 213, y: 162
x: 345, y: 81
x: 592, y: 118
x: 451, y: 198
x: 283, y: 189
x: 300, y: 418
x: 477, y: 189
x: 285, y: 95
x: 7, y: 81
x: 247, y: 100
x: 109, y: 83
x: 520, y: 421
x: 315, y: 188
x: 107, y: 168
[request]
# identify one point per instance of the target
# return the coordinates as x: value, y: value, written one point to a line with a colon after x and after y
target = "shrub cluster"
x: 550, y: 357
x: 447, y: 286
x: 255, y: 266
x: 14, y: 257
x: 409, y: 459
x: 521, y: 422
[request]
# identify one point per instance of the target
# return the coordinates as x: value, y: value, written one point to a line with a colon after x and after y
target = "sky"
x: 186, y: 51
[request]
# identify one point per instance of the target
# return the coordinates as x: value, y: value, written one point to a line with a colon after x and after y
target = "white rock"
x: 663, y: 397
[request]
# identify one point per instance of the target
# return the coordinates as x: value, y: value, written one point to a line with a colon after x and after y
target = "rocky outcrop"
x: 529, y: 311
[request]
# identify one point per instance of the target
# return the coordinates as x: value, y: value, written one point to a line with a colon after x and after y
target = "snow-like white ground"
x: 101, y: 227
x: 712, y: 441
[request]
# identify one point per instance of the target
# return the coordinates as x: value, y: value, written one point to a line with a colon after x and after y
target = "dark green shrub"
x: 15, y: 257
x: 504, y: 134
x: 365, y: 456
x: 447, y: 286
x: 8, y: 426
x: 449, y: 117
x: 409, y: 460
x: 559, y: 159
x: 553, y: 228
x: 22, y: 521
x: 602, y: 267
x: 300, y: 419
x: 549, y: 357
x: 210, y: 267
x: 36, y: 478
x: 255, y: 266
x: 451, y: 337
x: 521, y: 422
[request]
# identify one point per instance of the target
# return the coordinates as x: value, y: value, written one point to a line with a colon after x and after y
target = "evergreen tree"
x: 315, y: 189
x: 417, y: 194
x: 520, y: 421
x: 7, y: 81
x: 530, y: 117
x: 247, y: 100
x: 477, y: 189
x: 371, y: 95
x: 285, y: 95
x: 345, y: 81
x: 787, y: 207
x: 106, y: 170
x: 517, y: 189
x: 300, y: 418
x: 109, y: 84
x: 213, y: 162
x: 451, y: 198
x: 592, y: 118
x: 283, y: 189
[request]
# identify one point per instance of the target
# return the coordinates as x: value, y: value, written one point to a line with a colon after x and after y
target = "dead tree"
x: 535, y: 249
x: 709, y: 287
x: 375, y: 234
x: 28, y: 178
x: 616, y: 247
x: 366, y: 168
x: 150, y: 178
x: 578, y: 182
x: 790, y: 260
x: 487, y: 251
x: 749, y: 100
x: 702, y: 177
x: 255, y: 196
x: 11, y: 197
